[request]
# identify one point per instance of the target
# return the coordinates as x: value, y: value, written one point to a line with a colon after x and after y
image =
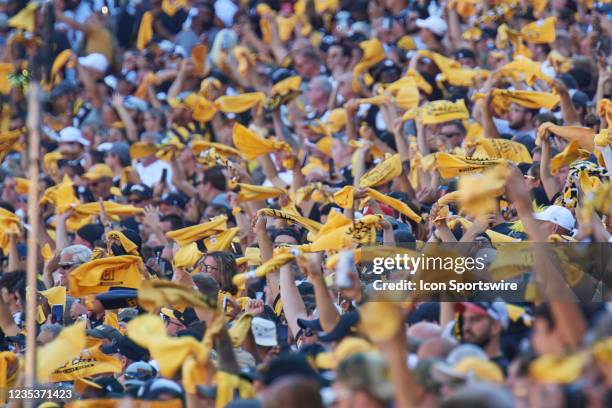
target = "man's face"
x: 65, y: 266
x: 451, y: 136
x: 71, y: 150
x: 173, y: 325
x: 100, y: 188
x: 316, y: 96
x: 213, y: 211
x: 335, y: 57
x: 517, y: 117
x: 167, y: 209
x: 477, y: 328
x: 138, y: 201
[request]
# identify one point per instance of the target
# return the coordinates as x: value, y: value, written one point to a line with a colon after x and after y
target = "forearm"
x: 130, y: 127
x: 488, y: 124
x: 548, y: 181
x: 61, y: 235
x: 570, y: 116
x: 293, y: 305
x: 421, y: 142
x: 269, y: 170
x: 177, y: 85
x: 226, y: 358
x: 13, y: 256
x: 328, y: 314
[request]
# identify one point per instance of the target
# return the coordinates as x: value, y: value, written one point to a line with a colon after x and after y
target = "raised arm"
x: 488, y: 125
x: 311, y: 267
x: 568, y: 111
x: 548, y: 181
x: 293, y: 305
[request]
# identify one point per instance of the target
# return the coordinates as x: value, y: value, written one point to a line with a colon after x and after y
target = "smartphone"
x: 164, y: 176
x: 345, y: 265
x: 57, y: 314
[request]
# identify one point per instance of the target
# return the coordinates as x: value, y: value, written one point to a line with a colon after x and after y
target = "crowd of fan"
x: 213, y: 174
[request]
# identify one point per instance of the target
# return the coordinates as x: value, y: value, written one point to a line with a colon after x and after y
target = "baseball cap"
x: 174, y: 199
x: 557, y: 215
x: 367, y: 372
x: 62, y: 88
x: 128, y: 348
x: 141, y: 190
x: 464, y: 53
x: 139, y: 370
x: 91, y: 233
x: 264, y: 332
x: 122, y: 150
x: 495, y: 310
x: 94, y: 61
x: 346, y: 348
x: 287, y: 364
x: 346, y: 325
x: 220, y: 200
x: 104, y: 331
x: 434, y: 24
x: 71, y: 134
x: 98, y: 171
x: 580, y: 99
x: 117, y: 298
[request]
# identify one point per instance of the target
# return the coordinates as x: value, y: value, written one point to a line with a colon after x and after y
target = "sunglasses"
x: 67, y: 265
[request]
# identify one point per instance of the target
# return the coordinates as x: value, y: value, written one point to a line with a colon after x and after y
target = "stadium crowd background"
x: 211, y: 172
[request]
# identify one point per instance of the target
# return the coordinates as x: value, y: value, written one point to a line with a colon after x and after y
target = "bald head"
x: 424, y: 331
x: 292, y: 391
x: 436, y: 348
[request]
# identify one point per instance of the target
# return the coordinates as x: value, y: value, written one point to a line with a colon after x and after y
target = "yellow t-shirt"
x: 100, y: 40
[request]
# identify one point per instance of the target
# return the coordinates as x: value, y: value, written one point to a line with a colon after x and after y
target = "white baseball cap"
x: 264, y: 332
x: 72, y: 135
x: 434, y: 24
x: 557, y: 215
x: 95, y: 61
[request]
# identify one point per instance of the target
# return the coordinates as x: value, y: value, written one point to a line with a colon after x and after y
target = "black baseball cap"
x: 91, y: 233
x: 104, y: 331
x: 118, y: 298
x: 345, y: 326
x: 142, y: 190
x: 289, y: 363
x: 128, y: 348
x: 174, y: 199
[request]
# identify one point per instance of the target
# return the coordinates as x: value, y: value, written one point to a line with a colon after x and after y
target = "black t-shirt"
x: 502, y: 362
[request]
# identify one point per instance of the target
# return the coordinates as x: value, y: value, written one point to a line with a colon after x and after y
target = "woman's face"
x: 151, y: 123
x: 211, y: 266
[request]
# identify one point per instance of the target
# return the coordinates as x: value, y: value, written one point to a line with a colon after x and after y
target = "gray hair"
x: 321, y: 81
x: 154, y: 137
x: 54, y: 328
x: 479, y: 395
x: 80, y: 253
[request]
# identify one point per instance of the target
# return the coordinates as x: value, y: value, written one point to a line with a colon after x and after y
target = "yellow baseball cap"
x: 98, y: 171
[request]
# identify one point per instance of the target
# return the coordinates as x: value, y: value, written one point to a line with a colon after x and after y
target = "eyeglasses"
x: 449, y: 135
x: 208, y: 268
x: 136, y: 200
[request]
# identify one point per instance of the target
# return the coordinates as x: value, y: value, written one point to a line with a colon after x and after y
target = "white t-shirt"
x: 503, y: 126
x: 151, y: 174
